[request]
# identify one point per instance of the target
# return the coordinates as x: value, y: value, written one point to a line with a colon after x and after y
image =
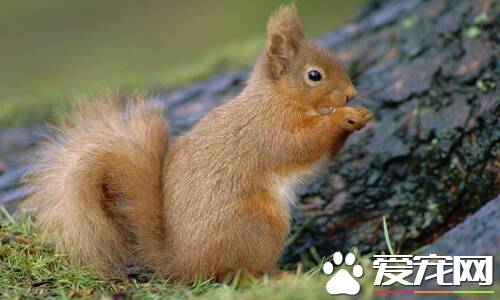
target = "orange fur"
x: 107, y: 189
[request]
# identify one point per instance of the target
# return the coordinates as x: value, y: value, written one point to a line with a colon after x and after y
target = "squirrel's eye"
x: 314, y: 75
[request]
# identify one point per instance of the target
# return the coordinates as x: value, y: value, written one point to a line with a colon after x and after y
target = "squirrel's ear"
x: 284, y: 31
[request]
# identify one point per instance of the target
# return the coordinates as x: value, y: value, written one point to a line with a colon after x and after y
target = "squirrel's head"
x: 305, y: 72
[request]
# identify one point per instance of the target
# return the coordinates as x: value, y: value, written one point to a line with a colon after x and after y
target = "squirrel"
x: 110, y: 190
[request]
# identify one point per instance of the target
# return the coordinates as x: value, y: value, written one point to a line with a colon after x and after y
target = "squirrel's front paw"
x: 351, y: 118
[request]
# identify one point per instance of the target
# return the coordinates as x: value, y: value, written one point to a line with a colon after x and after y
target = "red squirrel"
x: 109, y: 189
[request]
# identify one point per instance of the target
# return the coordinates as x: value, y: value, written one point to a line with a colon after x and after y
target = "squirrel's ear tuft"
x: 284, y: 31
x: 286, y: 21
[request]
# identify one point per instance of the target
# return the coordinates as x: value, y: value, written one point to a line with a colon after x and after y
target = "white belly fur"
x: 286, y: 187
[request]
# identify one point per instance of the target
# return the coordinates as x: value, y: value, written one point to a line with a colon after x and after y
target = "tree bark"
x: 429, y: 72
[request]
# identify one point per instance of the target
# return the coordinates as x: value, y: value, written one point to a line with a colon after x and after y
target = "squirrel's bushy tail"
x: 97, y: 185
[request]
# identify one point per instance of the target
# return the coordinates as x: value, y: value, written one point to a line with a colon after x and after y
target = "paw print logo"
x: 342, y: 282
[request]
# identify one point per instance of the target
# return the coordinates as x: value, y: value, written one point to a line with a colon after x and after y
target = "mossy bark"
x: 429, y: 71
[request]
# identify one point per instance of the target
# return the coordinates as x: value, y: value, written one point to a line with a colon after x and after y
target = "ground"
x: 30, y: 269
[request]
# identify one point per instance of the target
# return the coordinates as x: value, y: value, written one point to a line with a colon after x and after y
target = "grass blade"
x: 9, y: 217
x: 386, y: 235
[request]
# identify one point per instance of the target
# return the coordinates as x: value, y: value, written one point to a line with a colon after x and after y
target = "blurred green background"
x: 54, y: 49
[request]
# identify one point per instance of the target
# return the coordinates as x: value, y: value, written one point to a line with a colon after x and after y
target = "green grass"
x: 29, y: 269
x: 32, y: 270
x: 387, y: 237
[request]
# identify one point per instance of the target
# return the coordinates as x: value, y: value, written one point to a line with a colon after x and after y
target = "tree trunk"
x: 429, y: 71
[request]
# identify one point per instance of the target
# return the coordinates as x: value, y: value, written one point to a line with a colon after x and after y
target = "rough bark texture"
x: 429, y: 71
